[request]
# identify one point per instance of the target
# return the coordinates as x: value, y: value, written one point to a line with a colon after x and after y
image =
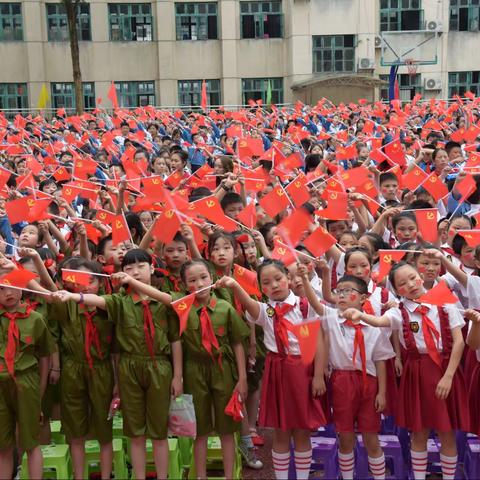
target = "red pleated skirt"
x: 419, y: 408
x: 474, y: 399
x: 287, y: 401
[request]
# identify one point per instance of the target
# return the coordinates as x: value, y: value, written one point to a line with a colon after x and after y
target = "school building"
x: 158, y: 52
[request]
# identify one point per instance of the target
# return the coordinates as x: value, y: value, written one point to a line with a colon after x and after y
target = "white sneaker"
x: 250, y: 457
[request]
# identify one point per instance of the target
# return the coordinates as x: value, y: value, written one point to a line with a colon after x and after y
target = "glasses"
x: 344, y: 292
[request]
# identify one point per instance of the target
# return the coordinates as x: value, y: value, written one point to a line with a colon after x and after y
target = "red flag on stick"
x: 247, y: 280
x: 307, y: 334
x: 182, y: 308
x: 438, y: 295
x: 385, y: 259
x: 203, y: 100
x: 112, y: 95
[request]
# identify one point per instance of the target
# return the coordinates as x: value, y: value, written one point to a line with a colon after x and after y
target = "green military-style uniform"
x: 144, y: 381
x: 86, y: 382
x: 212, y: 378
x: 171, y: 283
x: 20, y: 401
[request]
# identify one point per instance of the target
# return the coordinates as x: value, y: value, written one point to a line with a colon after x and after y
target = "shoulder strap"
x: 410, y: 343
x: 446, y: 333
x: 304, y: 307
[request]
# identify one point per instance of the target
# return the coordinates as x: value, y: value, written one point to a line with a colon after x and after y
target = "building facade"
x: 159, y: 52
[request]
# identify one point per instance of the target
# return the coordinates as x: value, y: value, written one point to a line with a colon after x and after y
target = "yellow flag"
x: 43, y: 97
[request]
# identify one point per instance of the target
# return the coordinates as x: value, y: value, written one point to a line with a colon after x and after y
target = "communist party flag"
x: 274, y: 202
x: 18, y: 278
x: 166, y: 226
x: 472, y: 237
x: 247, y: 280
x: 182, y: 308
x: 427, y: 224
x: 293, y: 227
x: 76, y: 276
x: 466, y: 187
x: 19, y: 209
x: 435, y: 187
x: 319, y: 242
x: 395, y: 153
x: 355, y: 177
x: 439, y: 295
x: 337, y: 206
x: 120, y: 230
x: 248, y: 216
x: 414, y: 178
x: 297, y: 189
x: 385, y: 259
x: 104, y: 216
x: 283, y: 253
x: 307, y: 335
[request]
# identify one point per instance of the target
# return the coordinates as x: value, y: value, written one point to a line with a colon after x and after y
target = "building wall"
x: 36, y: 61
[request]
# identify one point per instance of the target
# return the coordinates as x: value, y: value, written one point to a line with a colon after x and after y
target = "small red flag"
x: 247, y: 280
x: 76, y: 276
x: 248, y: 216
x: 297, y: 189
x: 209, y: 207
x: 427, y: 224
x: 292, y: 228
x: 413, y: 179
x: 104, y: 216
x: 395, y: 152
x: 466, y: 187
x: 182, y: 308
x: 355, y: 177
x: 203, y: 100
x: 166, y: 226
x: 307, y: 335
x: 112, y: 95
x: 283, y: 253
x: 439, y: 295
x: 19, y: 209
x: 275, y: 201
x: 385, y: 259
x: 435, y: 187
x: 84, y: 167
x: 18, y: 278
x: 472, y: 237
x: 337, y: 206
x: 319, y: 242
x: 120, y: 230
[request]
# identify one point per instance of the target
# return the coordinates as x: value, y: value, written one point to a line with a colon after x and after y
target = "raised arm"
x: 248, y: 303
x: 89, y: 299
x: 309, y: 292
x: 143, y: 288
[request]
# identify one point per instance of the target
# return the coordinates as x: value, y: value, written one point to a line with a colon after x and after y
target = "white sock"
x: 419, y: 464
x: 346, y: 462
x: 377, y: 467
x: 281, y: 462
x: 449, y: 466
x: 303, y: 460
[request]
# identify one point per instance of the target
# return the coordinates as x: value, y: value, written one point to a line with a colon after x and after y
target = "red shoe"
x: 257, y: 439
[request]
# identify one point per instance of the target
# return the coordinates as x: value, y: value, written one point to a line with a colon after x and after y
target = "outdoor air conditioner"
x: 433, y: 84
x: 378, y: 41
x: 366, y: 63
x: 435, y: 26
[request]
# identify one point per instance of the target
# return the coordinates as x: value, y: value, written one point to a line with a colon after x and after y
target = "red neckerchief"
x: 13, y: 339
x: 148, y: 328
x: 281, y: 326
x: 368, y: 307
x: 429, y: 332
x: 91, y: 337
x: 176, y: 283
x: 359, y: 344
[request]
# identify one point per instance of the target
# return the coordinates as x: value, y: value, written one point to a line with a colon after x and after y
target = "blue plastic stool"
x: 472, y: 459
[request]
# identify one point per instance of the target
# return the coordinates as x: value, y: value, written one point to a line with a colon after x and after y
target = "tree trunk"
x: 71, y: 9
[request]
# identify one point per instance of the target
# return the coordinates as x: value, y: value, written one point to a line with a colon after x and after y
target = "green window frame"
x: 408, y: 86
x: 63, y: 95
x: 135, y: 94
x: 257, y: 88
x: 130, y: 22
x: 398, y: 15
x: 57, y: 25
x: 11, y: 22
x: 465, y: 15
x: 190, y: 92
x: 196, y: 21
x: 333, y: 53
x: 461, y: 82
x: 261, y: 19
x: 13, y: 96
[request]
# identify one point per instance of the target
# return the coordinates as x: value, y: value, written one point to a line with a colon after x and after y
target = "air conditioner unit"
x: 433, y: 84
x: 434, y: 26
x: 378, y: 41
x: 366, y: 64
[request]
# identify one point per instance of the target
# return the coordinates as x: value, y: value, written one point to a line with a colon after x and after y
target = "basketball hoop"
x: 412, y: 66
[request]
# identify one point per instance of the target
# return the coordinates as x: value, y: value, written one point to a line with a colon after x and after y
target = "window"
x: 13, y: 96
x: 135, y: 94
x: 130, y: 22
x: 408, y: 86
x: 464, y: 15
x: 333, y: 53
x: 461, y: 82
x: 398, y: 15
x: 259, y: 88
x: 190, y: 92
x: 57, y: 25
x: 63, y: 95
x: 196, y: 21
x: 11, y: 24
x: 261, y: 19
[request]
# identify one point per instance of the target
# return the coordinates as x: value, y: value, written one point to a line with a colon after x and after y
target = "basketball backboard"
x: 398, y: 48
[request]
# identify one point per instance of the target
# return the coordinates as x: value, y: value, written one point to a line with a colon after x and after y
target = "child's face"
x: 347, y: 295
x: 441, y: 161
x: 406, y: 230
x: 359, y: 266
x: 114, y: 253
x: 147, y: 219
x: 348, y: 241
x: 29, y: 237
x: 141, y: 271
x: 222, y: 253
x: 336, y: 229
x: 456, y: 225
x: 274, y: 283
x: 175, y: 254
x: 197, y: 277
x: 50, y: 188
x: 467, y: 256
x: 9, y: 297
x: 233, y: 210
x: 295, y: 280
x: 250, y: 250
x: 160, y: 166
x: 428, y: 267
x: 408, y: 282
x: 176, y: 163
x: 218, y: 168
x: 389, y: 189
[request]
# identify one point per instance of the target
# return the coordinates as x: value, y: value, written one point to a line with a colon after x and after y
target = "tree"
x: 71, y: 8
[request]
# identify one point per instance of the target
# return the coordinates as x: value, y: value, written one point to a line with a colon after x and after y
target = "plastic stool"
x: 117, y: 426
x: 56, y: 435
x: 55, y: 457
x: 326, y: 431
x: 392, y: 450
x: 185, y: 445
x: 92, y: 456
x: 472, y: 459
x: 175, y: 470
x: 388, y: 425
x: 404, y: 438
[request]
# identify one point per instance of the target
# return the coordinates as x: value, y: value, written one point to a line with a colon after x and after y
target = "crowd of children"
x: 315, y: 264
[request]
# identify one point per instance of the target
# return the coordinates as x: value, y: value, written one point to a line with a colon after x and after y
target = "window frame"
x: 6, y: 96
x: 459, y: 87
x: 321, y: 51
x: 389, y: 24
x: 277, y: 88
x: 14, y: 19
x: 129, y: 23
x: 133, y: 91
x: 194, y: 91
x: 260, y: 17
x: 200, y: 17
x: 62, y: 28
x: 69, y: 100
x: 455, y: 12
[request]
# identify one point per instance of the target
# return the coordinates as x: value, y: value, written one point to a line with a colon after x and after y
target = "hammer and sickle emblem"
x: 169, y: 213
x: 182, y: 306
x: 118, y: 224
x: 333, y: 196
x: 430, y: 216
x: 433, y: 178
x: 280, y: 192
x: 304, y: 331
x: 282, y: 251
x: 210, y: 203
x: 387, y: 258
x: 30, y: 202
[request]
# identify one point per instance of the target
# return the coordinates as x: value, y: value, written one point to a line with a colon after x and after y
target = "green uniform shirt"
x: 126, y: 311
x: 71, y: 323
x: 171, y: 283
x: 35, y: 341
